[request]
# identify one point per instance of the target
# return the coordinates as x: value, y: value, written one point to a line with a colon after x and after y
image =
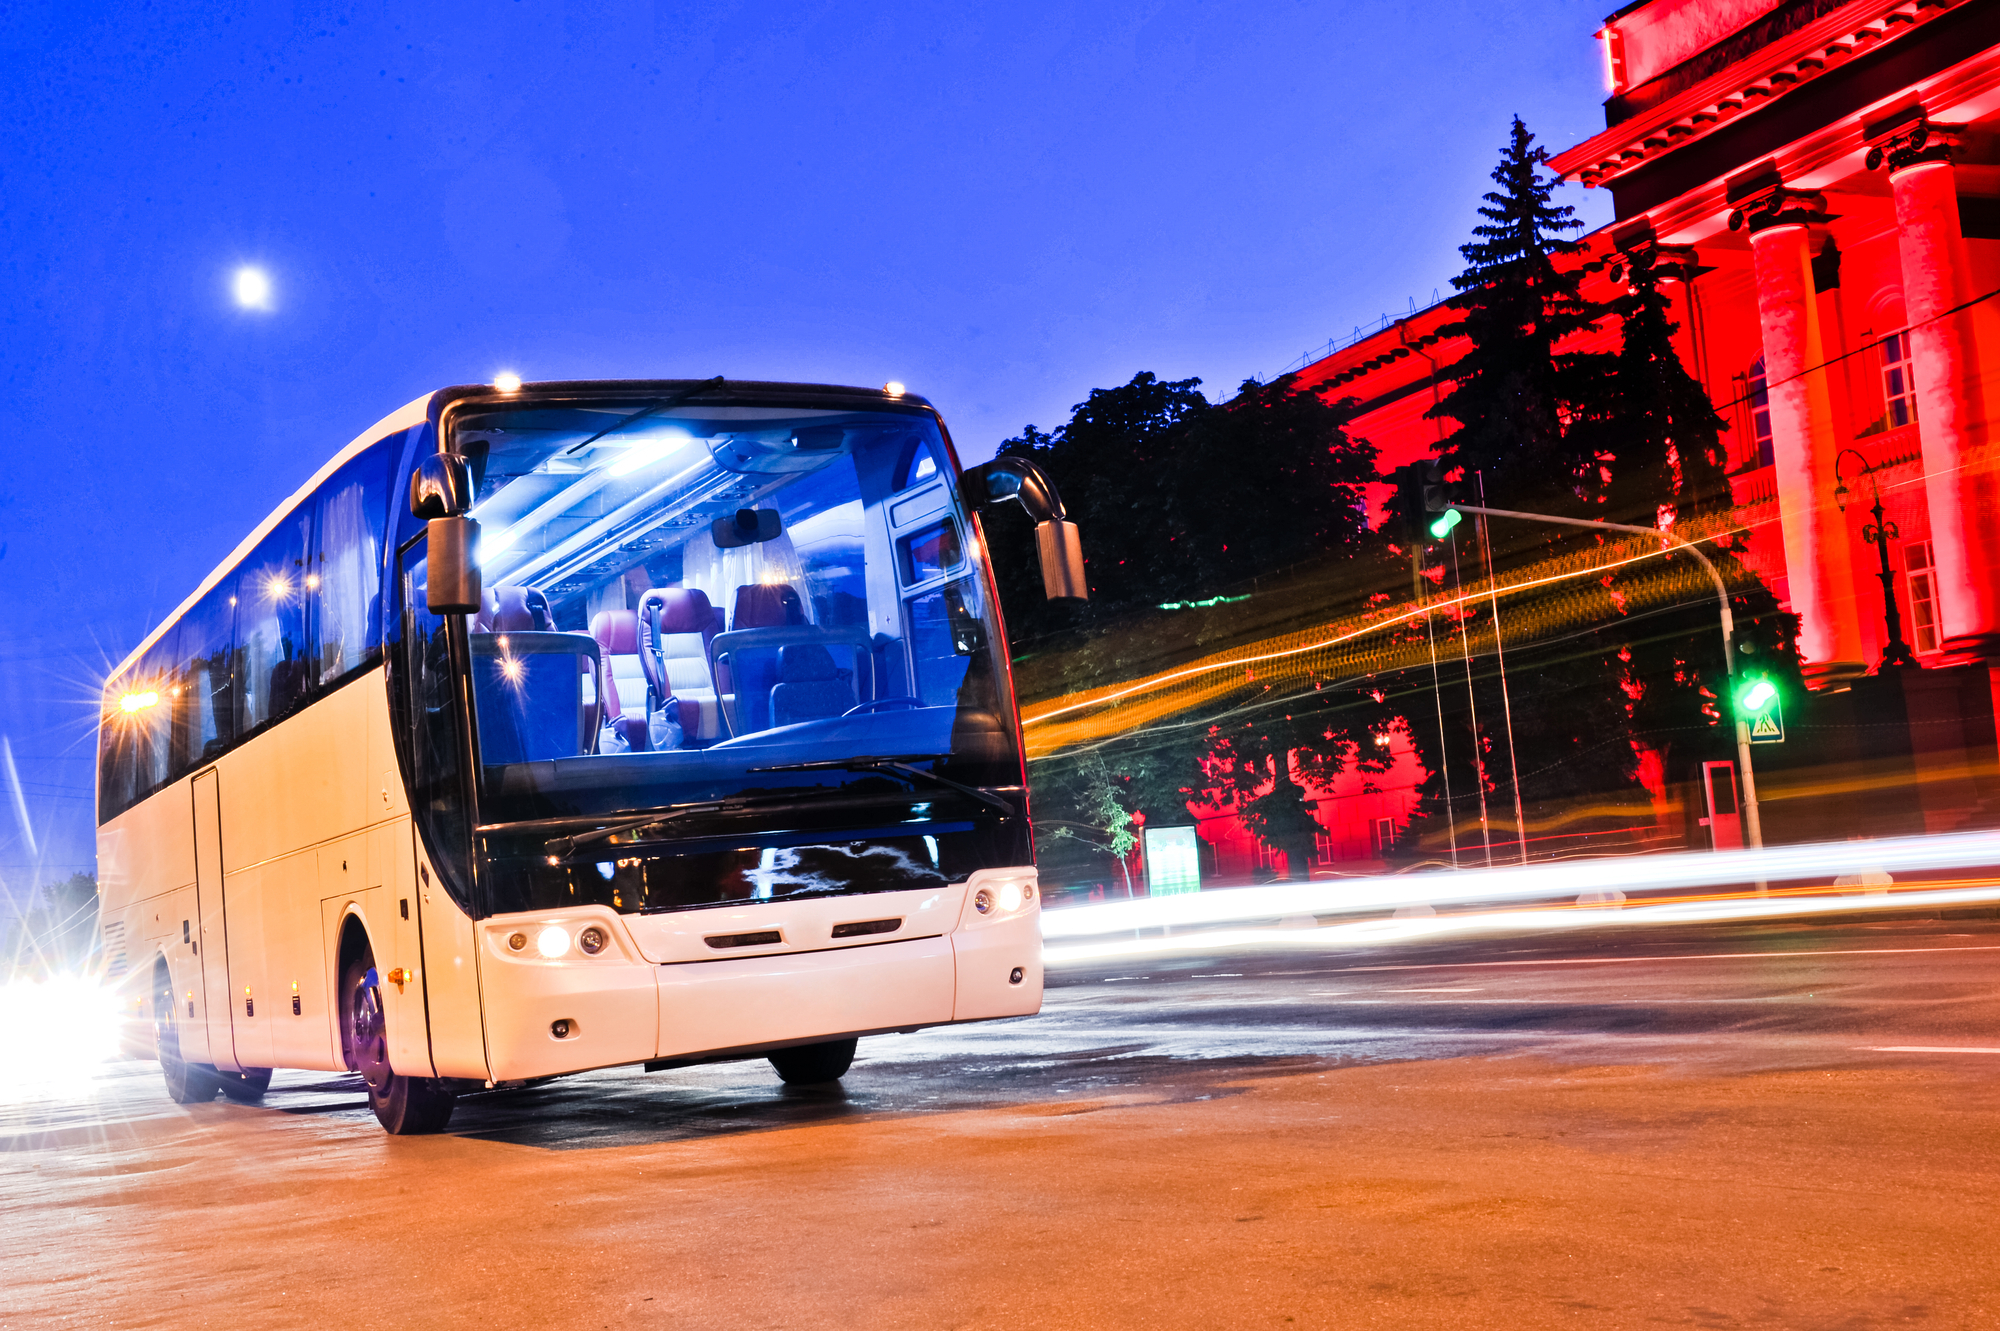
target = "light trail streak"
x: 1472, y: 923
x: 1136, y: 702
x: 1926, y: 1049
x: 1545, y: 882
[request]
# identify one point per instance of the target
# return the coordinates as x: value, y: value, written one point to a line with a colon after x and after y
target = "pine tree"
x: 1521, y: 404
x: 1513, y: 393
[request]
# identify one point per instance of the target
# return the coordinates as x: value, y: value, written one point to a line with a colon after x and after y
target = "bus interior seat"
x: 767, y: 605
x: 752, y: 674
x: 513, y: 610
x: 679, y: 624
x: 617, y: 634
x: 810, y: 687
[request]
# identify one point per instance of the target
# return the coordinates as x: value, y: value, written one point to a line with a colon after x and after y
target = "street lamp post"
x: 1753, y: 824
x: 1878, y: 534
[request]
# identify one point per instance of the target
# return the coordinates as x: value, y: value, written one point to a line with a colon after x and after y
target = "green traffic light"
x: 1445, y: 521
x: 1757, y: 695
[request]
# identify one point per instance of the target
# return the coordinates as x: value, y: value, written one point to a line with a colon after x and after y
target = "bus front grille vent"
x: 758, y: 939
x: 862, y: 928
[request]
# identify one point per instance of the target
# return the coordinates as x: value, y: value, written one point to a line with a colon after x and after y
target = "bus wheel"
x: 811, y: 1064
x: 187, y: 1083
x: 246, y: 1087
x: 403, y: 1105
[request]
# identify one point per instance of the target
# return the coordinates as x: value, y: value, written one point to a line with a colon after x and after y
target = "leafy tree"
x: 57, y: 931
x: 1182, y: 500
x: 1291, y: 744
x: 1104, y: 823
x: 1179, y: 499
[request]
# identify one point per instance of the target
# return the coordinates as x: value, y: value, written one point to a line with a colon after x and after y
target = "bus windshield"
x: 679, y: 601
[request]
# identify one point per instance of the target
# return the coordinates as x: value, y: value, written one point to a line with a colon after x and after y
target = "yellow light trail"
x: 1337, y: 650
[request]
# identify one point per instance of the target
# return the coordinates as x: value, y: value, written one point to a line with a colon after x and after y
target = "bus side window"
x: 273, y: 628
x: 348, y: 528
x: 205, y: 707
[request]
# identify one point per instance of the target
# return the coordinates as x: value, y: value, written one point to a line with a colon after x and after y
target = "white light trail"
x: 1362, y: 932
x: 20, y: 797
x: 1539, y: 882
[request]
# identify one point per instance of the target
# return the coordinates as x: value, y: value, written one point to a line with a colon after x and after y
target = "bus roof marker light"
x: 507, y: 381
x: 894, y: 388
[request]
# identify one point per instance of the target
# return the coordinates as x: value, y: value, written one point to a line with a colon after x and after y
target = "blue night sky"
x: 1001, y: 205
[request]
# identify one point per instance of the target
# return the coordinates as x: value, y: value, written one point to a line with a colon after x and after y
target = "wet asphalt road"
x: 1625, y: 1127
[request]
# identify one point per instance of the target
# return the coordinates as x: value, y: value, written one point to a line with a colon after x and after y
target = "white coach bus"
x: 571, y: 725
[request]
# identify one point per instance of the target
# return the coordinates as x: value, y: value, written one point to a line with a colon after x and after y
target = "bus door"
x: 450, y: 998
x: 211, y: 1025
x: 1725, y: 819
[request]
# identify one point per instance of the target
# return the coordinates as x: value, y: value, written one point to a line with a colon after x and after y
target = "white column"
x: 1818, y: 560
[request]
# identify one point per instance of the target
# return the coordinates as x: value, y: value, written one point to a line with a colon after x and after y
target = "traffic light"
x: 1760, y: 706
x: 1424, y: 502
x: 1756, y: 695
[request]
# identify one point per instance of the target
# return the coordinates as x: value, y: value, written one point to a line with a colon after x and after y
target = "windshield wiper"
x: 650, y: 409
x: 899, y: 764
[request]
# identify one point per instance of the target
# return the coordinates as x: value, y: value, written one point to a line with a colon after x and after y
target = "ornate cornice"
x: 1772, y: 73
x: 1913, y: 142
x: 1779, y: 205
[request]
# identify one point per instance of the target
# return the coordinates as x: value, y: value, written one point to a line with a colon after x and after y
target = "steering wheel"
x: 904, y: 701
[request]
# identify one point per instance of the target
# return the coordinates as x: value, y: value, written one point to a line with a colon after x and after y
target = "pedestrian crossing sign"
x: 1768, y: 726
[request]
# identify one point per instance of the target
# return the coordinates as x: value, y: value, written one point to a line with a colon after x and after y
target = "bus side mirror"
x: 1061, y: 549
x: 452, y: 576
x: 1056, y: 538
x: 440, y: 487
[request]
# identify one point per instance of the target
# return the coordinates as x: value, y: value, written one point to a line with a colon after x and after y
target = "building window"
x: 1759, y: 399
x: 1922, y: 575
x: 1899, y: 394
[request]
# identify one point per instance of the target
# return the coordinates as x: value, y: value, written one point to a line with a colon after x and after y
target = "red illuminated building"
x: 1823, y: 179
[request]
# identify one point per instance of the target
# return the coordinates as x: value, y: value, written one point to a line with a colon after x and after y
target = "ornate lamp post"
x: 1878, y: 534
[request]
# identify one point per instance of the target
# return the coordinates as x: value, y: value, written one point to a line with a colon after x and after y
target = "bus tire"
x: 187, y: 1083
x: 404, y: 1106
x: 412, y: 1105
x: 246, y: 1087
x: 814, y: 1064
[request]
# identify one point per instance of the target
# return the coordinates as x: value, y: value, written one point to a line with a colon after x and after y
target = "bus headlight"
x: 592, y: 940
x: 553, y: 941
x: 1004, y: 898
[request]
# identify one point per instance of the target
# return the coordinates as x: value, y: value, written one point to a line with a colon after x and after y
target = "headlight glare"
x: 553, y: 941
x: 1010, y: 896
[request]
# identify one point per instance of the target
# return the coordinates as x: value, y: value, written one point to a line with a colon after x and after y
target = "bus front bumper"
x: 545, y: 1018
